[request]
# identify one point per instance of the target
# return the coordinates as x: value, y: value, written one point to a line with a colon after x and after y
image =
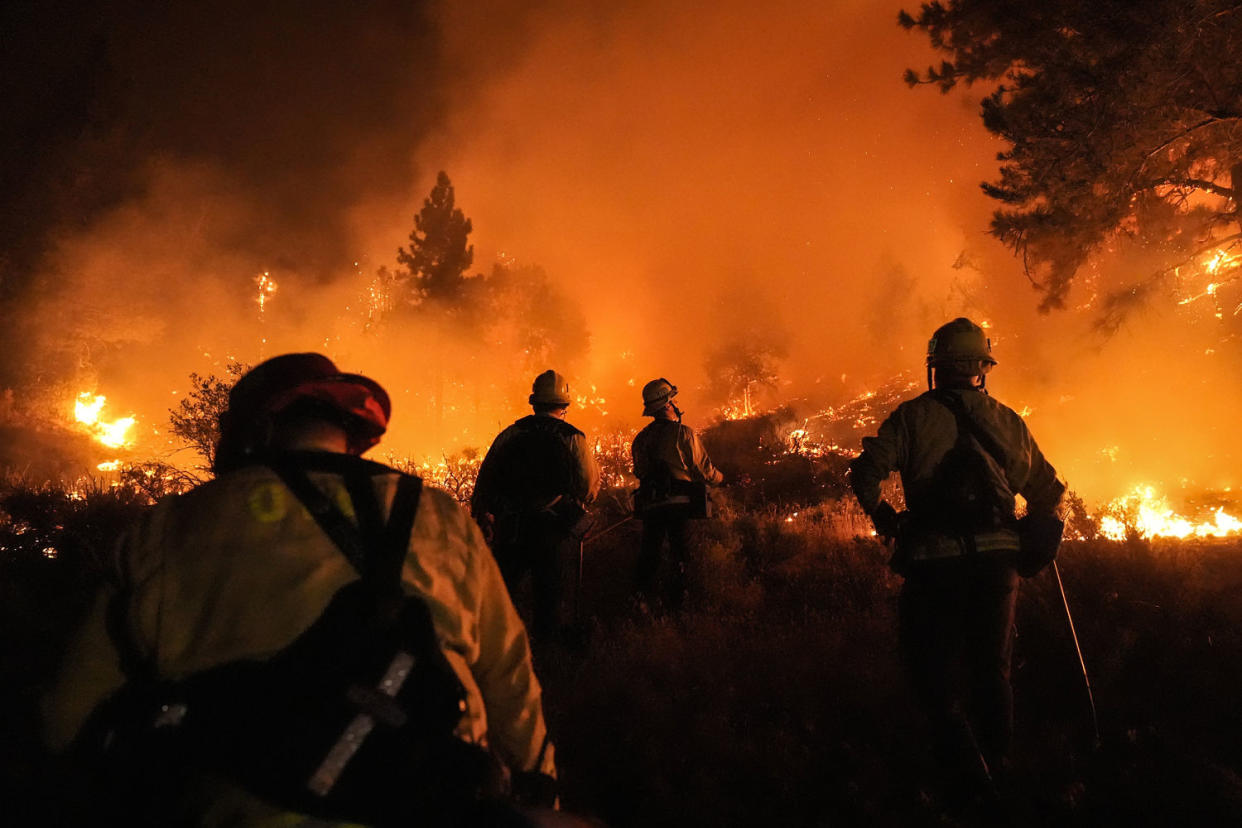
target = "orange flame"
x: 267, y: 288
x: 87, y: 411
x: 1148, y: 514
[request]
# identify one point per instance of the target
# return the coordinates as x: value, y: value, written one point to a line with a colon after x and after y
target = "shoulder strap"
x: 400, y: 525
x: 967, y: 424
x: 376, y: 550
x: 675, y: 433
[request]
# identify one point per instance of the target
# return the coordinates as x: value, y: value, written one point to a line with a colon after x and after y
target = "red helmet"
x: 358, y: 403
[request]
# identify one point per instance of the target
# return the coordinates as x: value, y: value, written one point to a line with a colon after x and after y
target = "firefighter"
x: 962, y: 456
x: 673, y: 472
x: 531, y: 498
x: 217, y: 591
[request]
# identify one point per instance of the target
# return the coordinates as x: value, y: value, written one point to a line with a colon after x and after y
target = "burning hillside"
x: 620, y: 208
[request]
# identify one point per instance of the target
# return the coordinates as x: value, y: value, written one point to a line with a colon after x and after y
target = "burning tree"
x: 744, y: 365
x: 1123, y: 124
x: 438, y: 256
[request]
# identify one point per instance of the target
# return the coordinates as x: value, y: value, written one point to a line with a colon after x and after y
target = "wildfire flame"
x: 740, y: 409
x: 267, y: 288
x: 1148, y: 514
x: 87, y: 411
x: 1221, y: 266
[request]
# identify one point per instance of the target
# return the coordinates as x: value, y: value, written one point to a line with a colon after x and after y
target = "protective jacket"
x: 533, y: 463
x: 915, y: 439
x: 238, y: 569
x: 672, y: 445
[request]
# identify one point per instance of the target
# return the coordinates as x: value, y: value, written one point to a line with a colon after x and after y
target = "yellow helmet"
x: 656, y: 395
x: 959, y: 341
x: 550, y: 388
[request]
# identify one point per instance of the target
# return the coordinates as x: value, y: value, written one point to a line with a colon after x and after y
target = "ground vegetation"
x: 775, y: 696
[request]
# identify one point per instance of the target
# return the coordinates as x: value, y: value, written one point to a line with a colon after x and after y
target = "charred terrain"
x: 775, y: 697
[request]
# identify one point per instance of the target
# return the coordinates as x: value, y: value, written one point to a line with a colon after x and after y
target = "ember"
x: 267, y: 288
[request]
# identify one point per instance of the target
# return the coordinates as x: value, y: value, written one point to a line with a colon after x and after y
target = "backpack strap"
x: 396, y: 539
x: 344, y: 534
x: 968, y: 425
x: 375, y: 549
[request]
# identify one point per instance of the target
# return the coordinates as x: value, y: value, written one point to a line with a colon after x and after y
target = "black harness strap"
x: 330, y: 518
x: 396, y: 538
x: 967, y: 424
x: 376, y: 550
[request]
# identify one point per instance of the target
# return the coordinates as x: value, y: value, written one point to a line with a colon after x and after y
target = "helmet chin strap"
x: 676, y: 410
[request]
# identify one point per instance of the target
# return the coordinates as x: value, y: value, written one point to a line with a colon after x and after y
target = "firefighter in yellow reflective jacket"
x: 531, y: 497
x: 962, y: 457
x: 237, y: 570
x: 673, y: 472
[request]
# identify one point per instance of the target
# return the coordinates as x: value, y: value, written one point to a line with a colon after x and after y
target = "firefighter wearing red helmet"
x: 531, y: 497
x: 962, y: 456
x: 310, y: 633
x: 673, y: 472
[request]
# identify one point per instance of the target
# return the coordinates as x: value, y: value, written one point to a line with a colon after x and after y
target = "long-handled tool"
x: 1069, y: 617
x: 596, y: 535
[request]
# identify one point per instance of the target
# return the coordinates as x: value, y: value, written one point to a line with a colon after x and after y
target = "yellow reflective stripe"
x: 936, y: 547
x: 266, y: 501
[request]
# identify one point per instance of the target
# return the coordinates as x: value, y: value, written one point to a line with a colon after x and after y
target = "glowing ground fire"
x: 1148, y: 514
x: 1144, y: 512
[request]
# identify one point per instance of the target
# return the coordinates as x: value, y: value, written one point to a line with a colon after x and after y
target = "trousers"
x: 547, y: 552
x: 674, y: 527
x: 956, y: 636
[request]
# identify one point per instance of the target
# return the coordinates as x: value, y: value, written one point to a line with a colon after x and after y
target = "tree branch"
x: 1213, y: 245
x: 1206, y: 122
x: 1118, y: 304
x: 1195, y: 183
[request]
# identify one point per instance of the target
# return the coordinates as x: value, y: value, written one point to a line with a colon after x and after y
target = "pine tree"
x: 1124, y: 125
x: 438, y: 256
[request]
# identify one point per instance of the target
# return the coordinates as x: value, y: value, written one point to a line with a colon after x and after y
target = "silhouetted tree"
x: 1123, y: 119
x: 743, y: 365
x: 527, y: 312
x: 196, y: 419
x: 438, y: 256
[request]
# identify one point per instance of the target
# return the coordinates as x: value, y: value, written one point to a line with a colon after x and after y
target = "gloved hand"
x: 487, y: 524
x: 533, y: 789
x: 885, y: 520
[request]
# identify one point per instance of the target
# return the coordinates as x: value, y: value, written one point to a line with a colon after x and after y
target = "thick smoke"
x: 697, y: 179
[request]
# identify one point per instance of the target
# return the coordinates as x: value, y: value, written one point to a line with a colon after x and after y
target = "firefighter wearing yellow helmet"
x: 300, y: 631
x: 962, y: 456
x: 673, y: 472
x: 531, y: 497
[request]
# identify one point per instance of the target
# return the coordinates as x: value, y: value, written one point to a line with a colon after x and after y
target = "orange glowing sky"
x: 688, y: 173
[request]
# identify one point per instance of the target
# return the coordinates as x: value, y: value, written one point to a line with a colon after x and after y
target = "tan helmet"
x: 656, y: 395
x: 550, y: 388
x: 959, y: 341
